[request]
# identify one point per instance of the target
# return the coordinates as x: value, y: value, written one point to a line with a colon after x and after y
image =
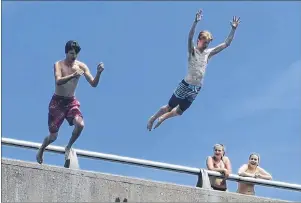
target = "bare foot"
x: 67, y: 157
x: 160, y: 121
x: 67, y: 152
x: 150, y: 123
x: 39, y: 156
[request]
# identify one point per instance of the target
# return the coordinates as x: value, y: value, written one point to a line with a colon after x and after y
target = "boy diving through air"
x: 189, y: 87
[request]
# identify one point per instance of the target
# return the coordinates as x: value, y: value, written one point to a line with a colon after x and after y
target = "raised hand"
x: 100, y: 67
x: 198, y: 16
x: 235, y: 22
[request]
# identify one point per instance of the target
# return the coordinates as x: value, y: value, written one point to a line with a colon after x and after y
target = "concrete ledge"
x: 31, y: 182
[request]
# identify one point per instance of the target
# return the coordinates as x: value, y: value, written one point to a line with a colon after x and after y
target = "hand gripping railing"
x: 151, y: 164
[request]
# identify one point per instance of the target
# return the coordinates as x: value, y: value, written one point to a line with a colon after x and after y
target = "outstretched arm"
x: 228, y: 40
x: 192, y: 31
x: 92, y: 81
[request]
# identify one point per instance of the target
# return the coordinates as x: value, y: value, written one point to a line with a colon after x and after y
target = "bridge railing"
x: 151, y: 164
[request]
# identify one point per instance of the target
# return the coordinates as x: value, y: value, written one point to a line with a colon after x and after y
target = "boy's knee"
x: 79, y: 123
x: 178, y: 110
x: 53, y: 137
x: 166, y: 108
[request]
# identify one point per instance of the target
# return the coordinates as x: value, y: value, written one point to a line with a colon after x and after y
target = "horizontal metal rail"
x: 151, y: 164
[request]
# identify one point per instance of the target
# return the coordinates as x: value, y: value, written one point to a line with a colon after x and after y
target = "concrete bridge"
x: 31, y: 182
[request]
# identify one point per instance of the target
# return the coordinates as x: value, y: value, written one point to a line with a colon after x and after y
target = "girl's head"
x: 219, y: 150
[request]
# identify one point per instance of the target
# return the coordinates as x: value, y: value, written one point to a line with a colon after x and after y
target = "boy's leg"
x: 162, y: 110
x: 174, y: 112
x: 183, y: 98
x: 172, y: 103
x: 55, y: 119
x: 79, y: 125
x: 74, y: 117
x: 47, y: 141
x: 177, y: 111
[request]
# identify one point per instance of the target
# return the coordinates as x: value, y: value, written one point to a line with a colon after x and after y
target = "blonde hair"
x: 220, y: 145
x: 205, y: 34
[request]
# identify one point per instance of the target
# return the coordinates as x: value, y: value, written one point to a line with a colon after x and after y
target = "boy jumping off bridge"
x: 63, y: 104
x: 189, y: 87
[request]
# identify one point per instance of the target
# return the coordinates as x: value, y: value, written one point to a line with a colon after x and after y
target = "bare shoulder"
x: 59, y: 63
x: 244, y: 166
x: 226, y: 159
x: 209, y: 158
x: 81, y: 64
x: 260, y: 169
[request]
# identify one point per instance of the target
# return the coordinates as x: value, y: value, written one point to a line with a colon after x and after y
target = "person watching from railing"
x: 220, y: 163
x: 252, y: 170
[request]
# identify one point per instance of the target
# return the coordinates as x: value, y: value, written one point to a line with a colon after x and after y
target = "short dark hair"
x: 70, y: 45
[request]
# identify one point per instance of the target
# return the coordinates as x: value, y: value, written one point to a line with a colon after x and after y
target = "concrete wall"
x: 30, y: 182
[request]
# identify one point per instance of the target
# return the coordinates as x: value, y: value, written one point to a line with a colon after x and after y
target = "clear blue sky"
x: 250, y: 100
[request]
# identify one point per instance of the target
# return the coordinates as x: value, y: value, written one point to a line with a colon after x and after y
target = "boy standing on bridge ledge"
x: 63, y: 104
x: 189, y: 87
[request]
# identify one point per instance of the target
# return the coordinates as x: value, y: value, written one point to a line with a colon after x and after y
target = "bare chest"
x: 68, y: 70
x: 219, y: 164
x: 252, y: 171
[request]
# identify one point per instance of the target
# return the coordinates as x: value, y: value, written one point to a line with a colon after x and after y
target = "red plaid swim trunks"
x: 61, y: 108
